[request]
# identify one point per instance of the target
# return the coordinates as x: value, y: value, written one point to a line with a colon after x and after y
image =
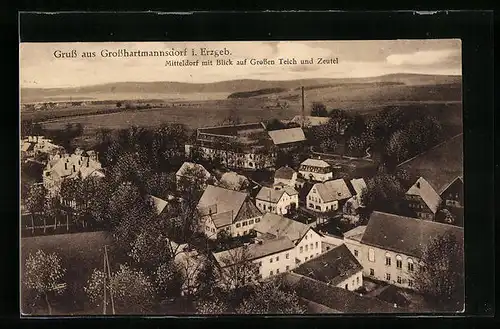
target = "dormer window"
x: 418, y: 184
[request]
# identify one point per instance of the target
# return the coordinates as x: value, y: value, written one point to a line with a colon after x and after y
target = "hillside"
x: 134, y: 90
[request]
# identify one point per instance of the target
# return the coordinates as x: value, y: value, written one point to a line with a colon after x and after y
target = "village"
x: 260, y: 205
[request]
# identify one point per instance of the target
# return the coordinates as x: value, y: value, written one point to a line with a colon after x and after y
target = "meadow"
x: 80, y: 253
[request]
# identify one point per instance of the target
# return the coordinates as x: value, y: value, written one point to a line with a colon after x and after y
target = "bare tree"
x: 237, y: 268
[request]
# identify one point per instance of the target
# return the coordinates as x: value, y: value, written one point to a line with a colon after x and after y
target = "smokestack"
x: 303, y: 109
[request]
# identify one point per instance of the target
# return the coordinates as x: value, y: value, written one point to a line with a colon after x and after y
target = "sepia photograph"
x: 241, y: 177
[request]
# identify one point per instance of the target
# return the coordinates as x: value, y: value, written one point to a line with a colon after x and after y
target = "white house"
x: 316, y: 169
x: 327, y: 196
x: 390, y: 246
x: 227, y: 210
x: 307, y: 241
x: 278, y: 199
x: 269, y: 257
x: 358, y: 188
x: 285, y: 175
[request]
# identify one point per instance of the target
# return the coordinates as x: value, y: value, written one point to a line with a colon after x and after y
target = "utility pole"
x: 109, y: 276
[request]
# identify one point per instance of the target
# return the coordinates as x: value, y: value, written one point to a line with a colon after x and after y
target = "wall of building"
x: 309, y: 247
x: 321, y: 177
x: 353, y: 282
x: 244, y: 227
x: 289, y: 182
x: 417, y: 205
x: 276, y: 264
x: 379, y: 267
x: 315, y: 202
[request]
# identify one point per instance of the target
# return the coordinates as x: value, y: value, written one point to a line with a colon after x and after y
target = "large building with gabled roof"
x: 328, y: 196
x: 390, y: 246
x: 423, y: 201
x: 227, y: 210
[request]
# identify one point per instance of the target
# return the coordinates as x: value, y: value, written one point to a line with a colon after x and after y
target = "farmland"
x: 80, y: 254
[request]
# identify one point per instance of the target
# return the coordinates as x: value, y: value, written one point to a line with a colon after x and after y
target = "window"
x: 353, y: 283
x: 372, y: 272
x: 250, y: 222
x: 399, y: 279
x: 312, y: 246
x: 410, y: 265
x: 257, y: 219
x: 287, y: 256
x: 305, y: 259
x: 410, y: 283
x: 301, y: 249
x: 346, y: 286
x: 399, y: 262
x: 244, y: 223
x: 271, y: 260
x: 271, y: 273
x: 287, y: 267
x: 355, y: 253
x: 317, y: 254
x: 238, y: 225
x: 388, y: 276
x: 371, y: 255
x: 277, y: 258
x: 357, y: 279
x: 307, y: 247
x: 387, y: 260
x: 311, y: 206
x: 306, y: 237
x: 327, y: 248
x: 277, y: 271
x: 260, y: 263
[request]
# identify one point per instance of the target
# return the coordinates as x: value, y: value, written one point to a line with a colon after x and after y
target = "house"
x: 285, y: 175
x: 158, y: 204
x: 64, y: 166
x: 337, y: 267
x: 269, y: 258
x: 34, y: 145
x: 309, y: 121
x: 327, y: 196
x: 307, y: 241
x: 316, y: 169
x: 192, y: 172
x: 234, y: 181
x: 243, y: 146
x: 357, y: 188
x: 287, y: 138
x: 423, y: 200
x: 390, y: 246
x: 452, y: 195
x: 227, y: 210
x: 322, y: 297
x: 278, y: 199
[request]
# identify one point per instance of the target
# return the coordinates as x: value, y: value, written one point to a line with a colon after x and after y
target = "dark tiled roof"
x: 331, y: 267
x: 284, y: 173
x: 405, y: 235
x: 338, y: 299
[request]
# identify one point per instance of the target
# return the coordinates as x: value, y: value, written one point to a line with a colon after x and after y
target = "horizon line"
x: 229, y: 80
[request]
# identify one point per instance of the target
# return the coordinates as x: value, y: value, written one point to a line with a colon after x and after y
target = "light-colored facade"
x: 277, y: 200
x: 327, y: 196
x: 316, y: 170
x: 286, y: 176
x: 309, y: 246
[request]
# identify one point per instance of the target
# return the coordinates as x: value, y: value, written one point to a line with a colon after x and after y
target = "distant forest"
x: 246, y: 94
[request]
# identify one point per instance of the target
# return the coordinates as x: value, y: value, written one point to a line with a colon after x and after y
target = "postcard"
x: 249, y: 177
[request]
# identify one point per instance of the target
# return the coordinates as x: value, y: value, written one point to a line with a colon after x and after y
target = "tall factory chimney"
x: 303, y: 109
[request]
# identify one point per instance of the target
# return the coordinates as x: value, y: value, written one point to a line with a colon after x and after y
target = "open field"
x: 80, y: 254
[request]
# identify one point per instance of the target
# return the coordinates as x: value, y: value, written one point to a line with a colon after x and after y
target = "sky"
x: 40, y: 69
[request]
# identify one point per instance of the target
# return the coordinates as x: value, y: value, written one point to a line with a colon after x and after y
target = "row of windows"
x: 307, y: 247
x: 311, y: 257
x: 398, y: 279
x: 315, y: 199
x: 399, y: 259
x: 250, y: 222
x: 271, y: 273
